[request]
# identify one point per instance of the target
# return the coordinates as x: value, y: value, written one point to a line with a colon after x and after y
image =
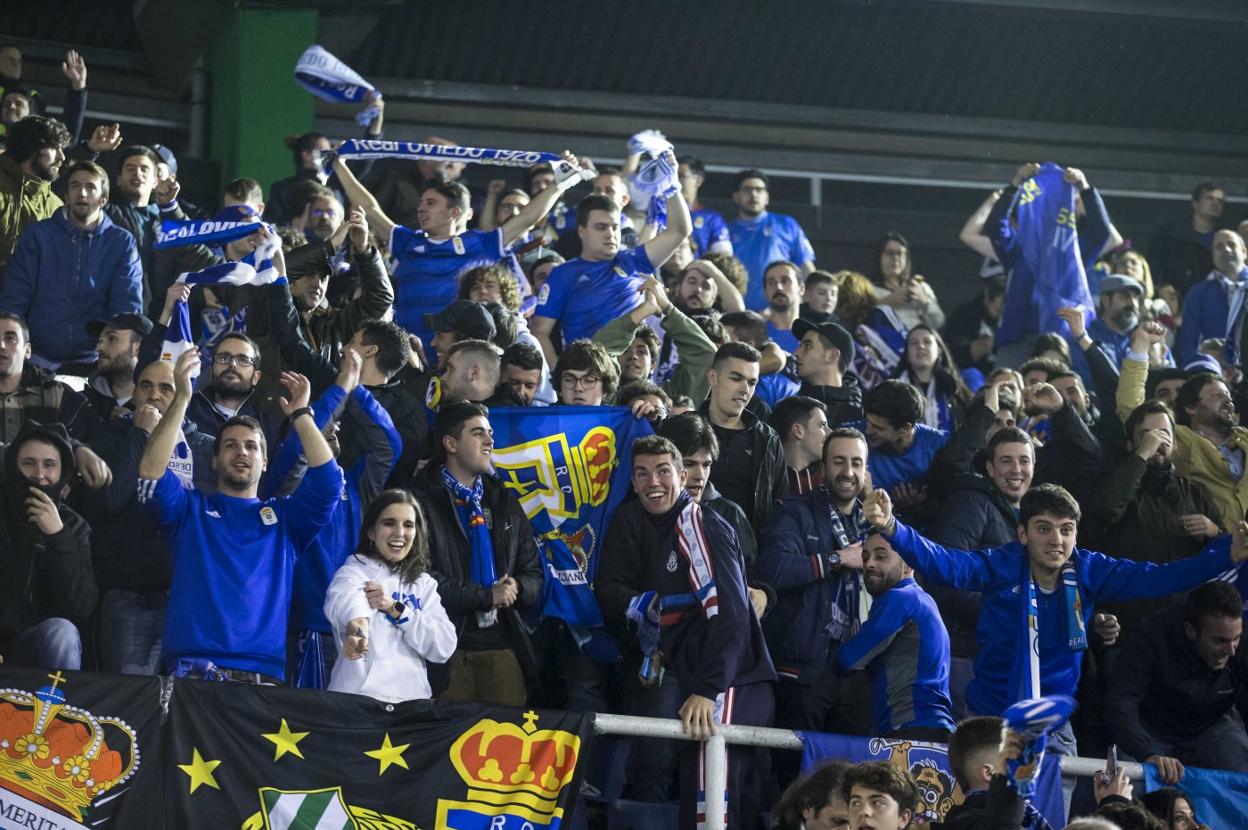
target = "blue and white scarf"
x: 330, y: 79
x: 1034, y: 720
x: 656, y: 176
x: 368, y: 148
x: 1025, y: 673
x: 472, y: 516
x: 174, y: 233
x: 254, y: 269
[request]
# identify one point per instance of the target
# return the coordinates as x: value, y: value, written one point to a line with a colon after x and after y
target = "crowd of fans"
x: 850, y: 499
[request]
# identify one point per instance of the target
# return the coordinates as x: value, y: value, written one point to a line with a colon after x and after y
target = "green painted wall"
x: 255, y: 102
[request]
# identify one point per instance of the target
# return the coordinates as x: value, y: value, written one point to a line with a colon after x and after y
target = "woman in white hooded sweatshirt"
x: 388, y: 619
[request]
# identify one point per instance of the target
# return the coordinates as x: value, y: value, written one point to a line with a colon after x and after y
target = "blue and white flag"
x: 178, y: 335
x: 929, y: 764
x: 656, y: 176
x: 330, y: 79
x: 570, y: 466
x: 1033, y: 721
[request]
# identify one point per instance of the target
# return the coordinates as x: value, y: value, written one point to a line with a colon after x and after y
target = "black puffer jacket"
x: 41, y: 576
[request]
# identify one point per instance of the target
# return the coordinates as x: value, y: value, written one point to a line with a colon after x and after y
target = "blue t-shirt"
x: 775, y: 387
x: 887, y: 471
x: 759, y: 242
x: 784, y: 338
x: 426, y: 276
x: 584, y: 296
x: 234, y: 561
x: 708, y: 229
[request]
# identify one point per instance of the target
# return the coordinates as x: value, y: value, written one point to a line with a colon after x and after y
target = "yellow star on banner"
x: 200, y: 771
x: 388, y: 754
x: 285, y: 741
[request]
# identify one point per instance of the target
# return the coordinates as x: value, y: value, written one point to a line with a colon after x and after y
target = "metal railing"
x: 717, y: 751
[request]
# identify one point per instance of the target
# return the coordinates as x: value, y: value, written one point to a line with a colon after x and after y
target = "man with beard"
x: 708, y: 634
x: 760, y: 238
x: 132, y: 562
x: 1146, y: 510
x: 811, y: 554
x: 1207, y: 304
x: 782, y: 287
x: 823, y: 356
x: 46, y: 584
x: 1209, y: 444
x: 1118, y: 313
x: 904, y: 647
x: 234, y: 554
x: 32, y: 161
x: 117, y: 344
x: 751, y: 471
x: 231, y: 391
x: 71, y: 268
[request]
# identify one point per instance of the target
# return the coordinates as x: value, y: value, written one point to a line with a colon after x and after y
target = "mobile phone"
x: 1111, y: 762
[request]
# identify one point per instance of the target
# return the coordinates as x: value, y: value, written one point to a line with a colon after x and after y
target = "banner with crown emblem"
x: 85, y: 751
x: 570, y: 466
x: 79, y: 750
x: 929, y: 764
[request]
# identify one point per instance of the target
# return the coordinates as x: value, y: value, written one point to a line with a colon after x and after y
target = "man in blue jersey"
x: 760, y: 238
x: 604, y: 282
x: 902, y: 446
x: 1060, y: 583
x: 904, y: 646
x: 430, y: 260
x: 234, y: 555
x: 710, y: 232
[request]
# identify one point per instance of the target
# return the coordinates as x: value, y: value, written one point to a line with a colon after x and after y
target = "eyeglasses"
x: 225, y: 359
x: 570, y: 381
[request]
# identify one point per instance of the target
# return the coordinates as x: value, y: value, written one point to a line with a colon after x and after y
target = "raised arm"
x: 535, y: 211
x: 164, y: 437
x: 968, y: 570
x: 315, y: 447
x: 359, y: 195
x: 972, y: 234
x: 679, y: 226
x: 1134, y: 377
x: 729, y: 297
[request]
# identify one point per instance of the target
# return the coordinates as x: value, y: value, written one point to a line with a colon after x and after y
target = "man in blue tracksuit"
x: 360, y: 415
x: 234, y: 555
x: 904, y: 647
x: 1066, y: 583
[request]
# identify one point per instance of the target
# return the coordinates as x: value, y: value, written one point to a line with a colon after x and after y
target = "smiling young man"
x: 751, y: 471
x: 1065, y: 583
x: 234, y: 555
x: 709, y: 636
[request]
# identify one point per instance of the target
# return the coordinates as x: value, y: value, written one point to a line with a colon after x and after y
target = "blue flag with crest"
x: 570, y: 466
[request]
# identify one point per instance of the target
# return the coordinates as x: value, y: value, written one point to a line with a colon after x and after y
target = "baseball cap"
x: 464, y: 316
x: 129, y: 322
x: 840, y: 337
x: 1121, y: 282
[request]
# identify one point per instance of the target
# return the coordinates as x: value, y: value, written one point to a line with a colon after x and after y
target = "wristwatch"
x: 397, y: 609
x: 831, y: 561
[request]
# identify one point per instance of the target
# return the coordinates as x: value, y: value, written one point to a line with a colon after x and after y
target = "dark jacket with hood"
x: 844, y: 402
x: 974, y: 517
x: 515, y: 554
x: 996, y: 808
x: 41, y: 577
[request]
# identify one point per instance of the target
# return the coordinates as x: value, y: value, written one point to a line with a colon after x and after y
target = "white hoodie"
x: 393, y: 670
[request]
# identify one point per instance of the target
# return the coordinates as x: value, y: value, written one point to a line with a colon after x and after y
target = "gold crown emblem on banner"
x: 59, y: 755
x: 503, y: 762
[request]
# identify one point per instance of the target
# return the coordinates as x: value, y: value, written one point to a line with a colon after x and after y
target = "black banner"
x: 82, y: 750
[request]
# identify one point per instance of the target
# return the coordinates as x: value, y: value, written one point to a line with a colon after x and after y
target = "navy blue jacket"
x: 812, y: 599
x: 60, y: 278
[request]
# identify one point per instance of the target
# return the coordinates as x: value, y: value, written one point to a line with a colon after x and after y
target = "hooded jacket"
x: 844, y: 402
x: 24, y: 200
x: 41, y: 576
x: 62, y: 277
x: 765, y: 457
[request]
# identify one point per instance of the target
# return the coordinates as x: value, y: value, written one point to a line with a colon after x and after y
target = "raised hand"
x: 877, y: 508
x: 349, y: 370
x: 300, y: 389
x: 183, y: 370
x: 104, y: 138
x: 75, y: 69
x: 1074, y: 318
x: 377, y: 597
x: 1042, y: 399
x: 1107, y: 628
x: 1025, y: 172
x: 166, y: 192
x: 146, y: 417
x: 357, y: 229
x: 355, y: 644
x: 1146, y: 335
x: 1150, y: 441
x: 1074, y: 175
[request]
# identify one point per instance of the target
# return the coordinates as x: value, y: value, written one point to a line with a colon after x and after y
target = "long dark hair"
x: 1160, y: 802
x: 417, y: 560
x: 877, y: 273
x: 948, y: 377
